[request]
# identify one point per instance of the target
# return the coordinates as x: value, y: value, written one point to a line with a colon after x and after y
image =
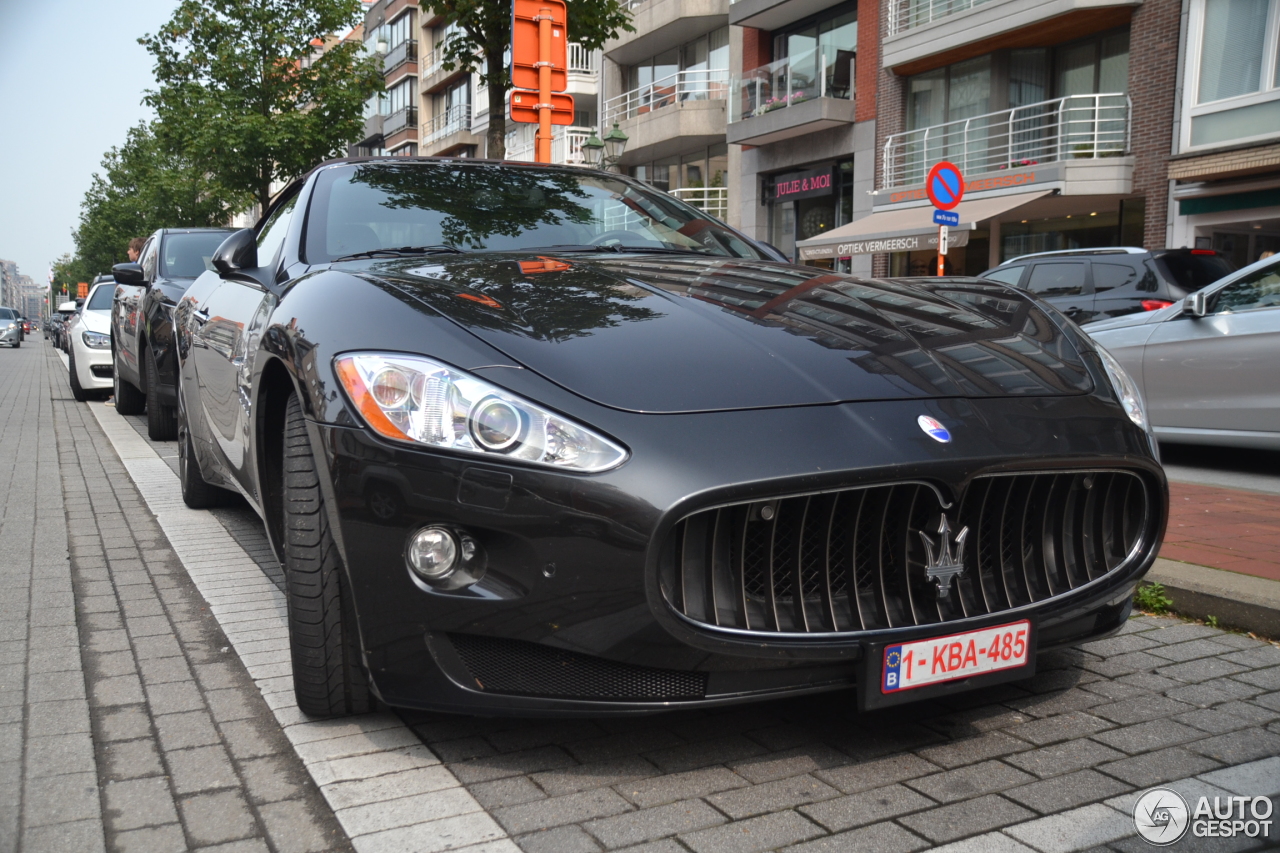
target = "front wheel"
x: 73, y: 379
x: 162, y: 420
x: 329, y: 678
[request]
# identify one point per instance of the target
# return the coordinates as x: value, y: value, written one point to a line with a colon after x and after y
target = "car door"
x: 1065, y: 285
x: 127, y: 313
x: 231, y: 321
x: 1218, y: 372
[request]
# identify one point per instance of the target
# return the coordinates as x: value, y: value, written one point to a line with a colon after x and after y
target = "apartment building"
x: 391, y: 120
x: 1225, y: 171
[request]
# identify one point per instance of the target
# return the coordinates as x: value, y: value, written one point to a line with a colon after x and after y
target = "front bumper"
x: 10, y: 336
x: 93, y: 366
x: 572, y: 561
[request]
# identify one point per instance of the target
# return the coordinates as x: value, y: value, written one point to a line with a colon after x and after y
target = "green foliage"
x: 1212, y: 621
x: 481, y: 36
x: 68, y: 270
x: 142, y: 187
x: 242, y: 94
x: 1151, y: 598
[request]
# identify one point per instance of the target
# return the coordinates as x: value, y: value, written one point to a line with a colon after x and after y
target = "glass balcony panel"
x: 704, y: 84
x: 825, y: 72
x: 1074, y: 127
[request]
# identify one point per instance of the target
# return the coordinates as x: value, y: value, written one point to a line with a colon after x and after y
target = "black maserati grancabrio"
x: 539, y: 440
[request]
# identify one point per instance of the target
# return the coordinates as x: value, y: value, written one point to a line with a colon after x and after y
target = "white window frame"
x: 1191, y: 80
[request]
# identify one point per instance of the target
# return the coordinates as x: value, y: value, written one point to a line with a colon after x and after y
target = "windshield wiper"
x: 618, y: 248
x: 402, y: 251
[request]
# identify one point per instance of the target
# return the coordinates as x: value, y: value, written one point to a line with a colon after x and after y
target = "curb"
x: 1237, y: 600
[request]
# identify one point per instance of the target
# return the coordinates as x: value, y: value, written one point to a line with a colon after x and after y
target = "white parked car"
x: 89, y: 344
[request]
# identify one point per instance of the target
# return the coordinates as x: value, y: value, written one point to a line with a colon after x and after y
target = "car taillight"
x: 1203, y: 252
x: 1155, y: 304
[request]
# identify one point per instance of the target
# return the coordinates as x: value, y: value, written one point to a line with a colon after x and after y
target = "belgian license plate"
x: 940, y: 659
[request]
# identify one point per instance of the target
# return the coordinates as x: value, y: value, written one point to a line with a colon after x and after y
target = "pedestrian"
x: 135, y: 249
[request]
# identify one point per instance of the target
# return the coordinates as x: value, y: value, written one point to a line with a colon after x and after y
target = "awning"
x: 907, y: 230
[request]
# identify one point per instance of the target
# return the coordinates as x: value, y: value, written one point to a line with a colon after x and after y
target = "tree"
x: 143, y: 186
x: 481, y: 34
x: 242, y: 93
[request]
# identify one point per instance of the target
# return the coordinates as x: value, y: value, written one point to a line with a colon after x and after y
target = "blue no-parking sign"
x: 945, y: 186
x: 946, y: 217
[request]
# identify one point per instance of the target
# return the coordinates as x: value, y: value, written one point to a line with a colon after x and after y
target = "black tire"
x: 129, y: 400
x: 196, y: 493
x: 162, y: 420
x: 17, y: 344
x: 77, y: 391
x: 329, y: 679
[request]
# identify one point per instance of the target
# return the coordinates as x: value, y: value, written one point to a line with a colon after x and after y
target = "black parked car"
x: 142, y: 322
x: 1093, y: 284
x: 532, y: 439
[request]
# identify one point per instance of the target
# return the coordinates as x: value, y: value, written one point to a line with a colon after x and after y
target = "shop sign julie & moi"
x: 794, y: 186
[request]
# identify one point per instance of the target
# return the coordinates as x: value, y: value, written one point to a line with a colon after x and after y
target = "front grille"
x: 530, y: 669
x: 854, y: 560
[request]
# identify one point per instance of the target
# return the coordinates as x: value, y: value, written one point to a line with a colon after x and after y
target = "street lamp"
x: 605, y: 154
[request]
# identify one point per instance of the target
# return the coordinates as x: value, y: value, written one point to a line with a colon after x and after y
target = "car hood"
x: 679, y: 333
x: 94, y: 321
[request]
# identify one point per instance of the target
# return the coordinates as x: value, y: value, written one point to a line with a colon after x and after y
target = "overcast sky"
x: 71, y: 81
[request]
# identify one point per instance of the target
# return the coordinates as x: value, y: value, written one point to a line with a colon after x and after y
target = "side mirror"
x: 1195, y: 305
x: 237, y: 252
x: 130, y: 273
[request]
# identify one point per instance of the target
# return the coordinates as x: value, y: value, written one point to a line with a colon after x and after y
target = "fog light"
x: 433, y: 553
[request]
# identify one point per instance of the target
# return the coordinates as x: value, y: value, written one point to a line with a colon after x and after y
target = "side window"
x: 1008, y: 275
x: 1260, y: 290
x: 1111, y: 276
x: 271, y: 237
x: 149, y: 258
x: 1061, y: 279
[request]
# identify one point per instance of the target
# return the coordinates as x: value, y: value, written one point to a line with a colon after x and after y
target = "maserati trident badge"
x: 943, y: 566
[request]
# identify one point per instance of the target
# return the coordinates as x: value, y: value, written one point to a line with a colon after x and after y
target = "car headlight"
x: 13, y: 325
x: 96, y: 340
x: 415, y: 399
x: 1126, y: 389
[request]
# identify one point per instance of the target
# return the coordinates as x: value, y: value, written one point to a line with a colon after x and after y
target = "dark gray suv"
x: 1093, y: 284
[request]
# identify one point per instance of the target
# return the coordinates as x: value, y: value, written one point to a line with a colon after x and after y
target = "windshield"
x: 100, y: 299
x: 188, y: 255
x: 6, y: 314
x: 479, y: 207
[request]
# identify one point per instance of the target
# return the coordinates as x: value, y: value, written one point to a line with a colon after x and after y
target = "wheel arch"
x: 274, y: 387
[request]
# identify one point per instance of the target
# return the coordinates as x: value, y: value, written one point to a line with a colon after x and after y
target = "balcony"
x: 434, y: 76
x: 774, y: 14
x: 713, y: 200
x: 398, y: 121
x: 456, y: 119
x: 581, y: 60
x: 373, y: 126
x: 663, y: 24
x: 676, y: 114
x: 926, y: 34
x: 678, y: 88
x: 1081, y: 137
x: 799, y: 95
x: 405, y: 51
x: 566, y: 146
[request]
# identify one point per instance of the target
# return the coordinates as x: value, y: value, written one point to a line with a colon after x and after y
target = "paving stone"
x: 150, y: 839
x: 1062, y: 727
x: 557, y: 811
x: 202, y: 768
x: 1201, y: 670
x: 681, y: 786
x: 1258, y: 657
x: 130, y: 759
x: 1161, y: 766
x: 790, y: 762
x: 1179, y: 652
x: 272, y: 778
x: 1077, y: 829
x: 866, y: 807
x: 62, y: 717
x: 864, y: 776
x: 1212, y: 692
x: 250, y: 738
x: 507, y: 792
x: 138, y: 802
x: 772, y: 796
x: 878, y: 838
x: 649, y: 824
x: 948, y: 823
x: 216, y: 817
x: 54, y: 755
x: 293, y: 827
x: 1048, y: 704
x: 60, y: 799
x: 767, y: 832
x: 191, y: 728
x: 971, y: 781
x: 513, y: 764
x: 695, y: 755
x: 971, y: 750
x: 1239, y: 747
x: 562, y: 839
x: 1059, y: 793
x: 584, y: 777
x: 1212, y: 720
x: 123, y: 723
x: 82, y: 836
x: 1063, y: 757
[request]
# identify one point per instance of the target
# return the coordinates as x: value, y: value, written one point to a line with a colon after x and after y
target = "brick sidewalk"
x: 1225, y: 529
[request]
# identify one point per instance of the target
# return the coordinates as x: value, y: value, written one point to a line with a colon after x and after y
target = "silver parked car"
x: 1209, y: 366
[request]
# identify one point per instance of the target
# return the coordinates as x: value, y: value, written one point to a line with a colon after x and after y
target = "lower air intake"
x: 521, y: 668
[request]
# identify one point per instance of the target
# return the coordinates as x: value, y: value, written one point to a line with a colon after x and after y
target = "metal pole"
x: 543, y: 153
x: 941, y: 267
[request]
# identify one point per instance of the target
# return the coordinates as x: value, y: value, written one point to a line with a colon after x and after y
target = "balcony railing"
x: 825, y: 72
x: 1074, y: 127
x: 566, y: 145
x: 905, y: 14
x: 452, y: 120
x: 581, y: 60
x: 405, y: 51
x: 714, y: 200
x: 433, y: 61
x: 399, y: 120
x: 700, y: 85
